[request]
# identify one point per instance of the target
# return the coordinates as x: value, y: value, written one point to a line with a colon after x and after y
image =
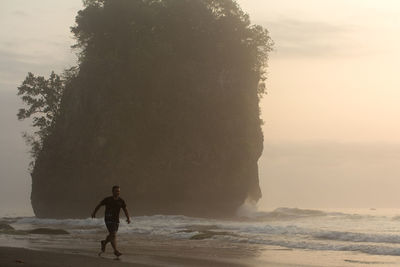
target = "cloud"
x: 300, y: 38
x: 20, y: 55
x: 15, y: 66
x: 20, y: 13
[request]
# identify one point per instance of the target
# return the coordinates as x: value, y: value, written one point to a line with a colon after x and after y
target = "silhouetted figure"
x: 111, y: 218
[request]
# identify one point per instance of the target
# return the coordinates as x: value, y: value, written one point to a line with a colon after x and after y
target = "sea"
x: 279, y: 237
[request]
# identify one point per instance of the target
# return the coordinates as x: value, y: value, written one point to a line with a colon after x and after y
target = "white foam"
x: 65, y: 222
x: 358, y: 237
x: 365, y: 248
x: 306, y: 229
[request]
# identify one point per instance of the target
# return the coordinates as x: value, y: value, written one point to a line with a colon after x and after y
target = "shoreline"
x: 176, y: 241
x: 15, y: 256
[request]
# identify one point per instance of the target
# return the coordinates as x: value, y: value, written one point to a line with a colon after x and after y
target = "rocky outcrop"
x: 165, y: 104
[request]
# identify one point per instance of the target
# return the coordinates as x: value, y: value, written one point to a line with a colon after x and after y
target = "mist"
x: 330, y: 175
x: 14, y: 159
x: 292, y: 174
x: 294, y: 166
x: 329, y: 136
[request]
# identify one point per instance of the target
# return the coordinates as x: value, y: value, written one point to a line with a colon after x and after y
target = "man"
x: 111, y: 218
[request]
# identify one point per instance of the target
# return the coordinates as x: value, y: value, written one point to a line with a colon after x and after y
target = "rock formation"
x: 165, y: 103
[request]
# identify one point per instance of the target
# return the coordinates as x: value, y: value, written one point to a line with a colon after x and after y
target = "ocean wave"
x: 246, y: 214
x: 66, y: 222
x: 165, y: 225
x: 249, y: 212
x: 364, y: 248
x: 283, y: 213
x: 181, y: 226
x: 303, y: 234
x: 358, y: 237
x: 155, y: 219
x: 372, y: 249
x: 310, y: 233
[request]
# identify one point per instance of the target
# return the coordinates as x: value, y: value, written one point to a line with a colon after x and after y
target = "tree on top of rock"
x: 165, y: 98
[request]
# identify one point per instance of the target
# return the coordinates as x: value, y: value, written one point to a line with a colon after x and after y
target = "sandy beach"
x: 80, y: 245
x: 25, y: 257
x: 11, y: 256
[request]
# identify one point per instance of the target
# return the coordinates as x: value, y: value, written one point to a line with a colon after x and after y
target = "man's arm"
x: 128, y: 220
x: 96, y: 209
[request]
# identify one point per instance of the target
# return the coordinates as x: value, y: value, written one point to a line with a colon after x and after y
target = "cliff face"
x: 165, y: 104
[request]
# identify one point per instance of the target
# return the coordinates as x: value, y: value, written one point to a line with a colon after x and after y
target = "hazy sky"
x: 330, y: 114
x: 334, y: 74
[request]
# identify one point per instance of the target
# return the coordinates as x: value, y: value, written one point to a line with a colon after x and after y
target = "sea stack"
x: 165, y: 104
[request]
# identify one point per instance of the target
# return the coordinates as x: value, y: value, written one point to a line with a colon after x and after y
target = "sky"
x: 331, y: 137
x: 334, y: 72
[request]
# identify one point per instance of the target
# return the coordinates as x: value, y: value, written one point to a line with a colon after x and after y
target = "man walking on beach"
x: 111, y: 218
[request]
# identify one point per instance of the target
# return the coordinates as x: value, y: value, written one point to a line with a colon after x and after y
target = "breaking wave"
x: 286, y: 227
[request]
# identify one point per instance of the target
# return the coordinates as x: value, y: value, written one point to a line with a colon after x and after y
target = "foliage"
x: 42, y: 97
x: 114, y: 32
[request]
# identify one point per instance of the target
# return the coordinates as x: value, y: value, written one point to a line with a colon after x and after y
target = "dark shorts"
x: 112, y: 227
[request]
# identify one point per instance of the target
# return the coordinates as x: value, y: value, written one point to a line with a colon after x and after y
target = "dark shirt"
x: 113, y: 206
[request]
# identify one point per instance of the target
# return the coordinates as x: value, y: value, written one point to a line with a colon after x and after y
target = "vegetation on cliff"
x: 164, y: 102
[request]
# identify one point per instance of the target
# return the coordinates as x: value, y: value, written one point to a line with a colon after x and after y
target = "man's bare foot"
x: 117, y: 253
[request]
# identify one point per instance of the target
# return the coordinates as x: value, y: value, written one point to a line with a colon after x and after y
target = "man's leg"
x: 112, y: 236
x: 103, y: 245
x: 113, y: 240
x: 104, y: 242
x: 107, y: 239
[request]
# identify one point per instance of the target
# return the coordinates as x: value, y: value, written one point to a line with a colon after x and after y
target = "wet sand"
x: 77, y: 249
x: 26, y: 257
x: 10, y: 257
x: 138, y: 250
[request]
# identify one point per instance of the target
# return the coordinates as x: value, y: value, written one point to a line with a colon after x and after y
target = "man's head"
x: 116, y: 191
